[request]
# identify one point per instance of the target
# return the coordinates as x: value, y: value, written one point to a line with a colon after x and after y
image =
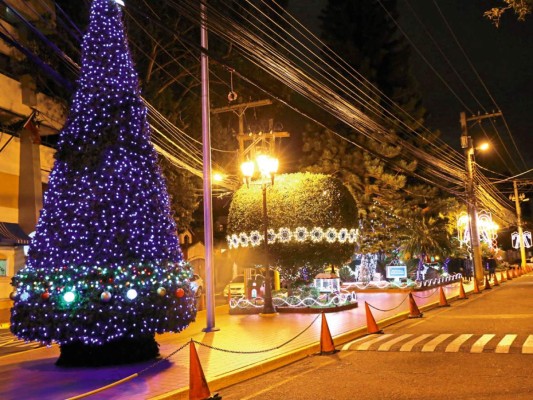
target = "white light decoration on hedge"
x: 243, y: 240
x: 317, y: 234
x: 343, y: 235
x: 300, y: 235
x: 284, y: 235
x: 331, y: 235
x: 271, y: 236
x: 255, y: 238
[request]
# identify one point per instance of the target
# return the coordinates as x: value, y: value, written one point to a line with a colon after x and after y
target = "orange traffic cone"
x: 476, y: 287
x: 515, y: 275
x: 326, y: 341
x: 462, y: 293
x: 487, y: 283
x: 371, y: 325
x: 495, y: 282
x: 414, y: 312
x: 443, y: 302
x: 198, y: 389
x: 502, y: 277
x: 509, y: 277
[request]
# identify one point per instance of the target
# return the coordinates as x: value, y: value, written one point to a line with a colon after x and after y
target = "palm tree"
x: 430, y: 231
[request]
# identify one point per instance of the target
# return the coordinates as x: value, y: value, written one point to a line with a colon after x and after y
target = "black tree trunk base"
x: 121, y: 351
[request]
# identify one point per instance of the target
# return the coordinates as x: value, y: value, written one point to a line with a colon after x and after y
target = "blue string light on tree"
x: 105, y: 252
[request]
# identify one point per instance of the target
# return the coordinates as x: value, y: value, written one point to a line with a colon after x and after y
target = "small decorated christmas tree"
x: 105, y: 270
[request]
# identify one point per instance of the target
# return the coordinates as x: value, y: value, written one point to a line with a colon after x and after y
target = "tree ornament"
x: 180, y: 292
x: 131, y: 294
x: 162, y: 291
x: 106, y: 296
x: 45, y: 295
x: 12, y: 295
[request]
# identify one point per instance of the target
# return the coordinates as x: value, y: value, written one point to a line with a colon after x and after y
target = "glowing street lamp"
x: 267, y: 166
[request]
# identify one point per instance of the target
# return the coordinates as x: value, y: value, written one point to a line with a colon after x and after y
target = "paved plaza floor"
x: 243, y: 347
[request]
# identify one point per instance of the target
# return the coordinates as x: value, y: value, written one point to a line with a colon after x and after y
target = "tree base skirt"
x: 121, y: 351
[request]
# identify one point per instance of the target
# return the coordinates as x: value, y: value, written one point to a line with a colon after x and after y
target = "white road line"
x: 454, y: 346
x: 390, y: 343
x: 527, y: 347
x: 409, y: 345
x: 505, y: 344
x: 480, y: 343
x: 366, y: 345
x: 349, y: 344
x: 432, y: 344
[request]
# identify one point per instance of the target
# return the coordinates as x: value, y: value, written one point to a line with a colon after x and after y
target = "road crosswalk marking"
x: 432, y: 344
x: 445, y: 342
x: 390, y: 343
x: 480, y: 343
x: 409, y: 345
x: 454, y: 346
x: 527, y: 347
x: 505, y: 344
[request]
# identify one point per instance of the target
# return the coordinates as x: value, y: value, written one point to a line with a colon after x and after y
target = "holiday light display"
x: 488, y: 230
x: 105, y: 263
x: 299, y: 235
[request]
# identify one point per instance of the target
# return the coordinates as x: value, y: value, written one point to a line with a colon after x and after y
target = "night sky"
x: 501, y: 56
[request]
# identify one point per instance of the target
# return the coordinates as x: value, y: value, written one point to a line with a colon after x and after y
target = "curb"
x: 255, y: 370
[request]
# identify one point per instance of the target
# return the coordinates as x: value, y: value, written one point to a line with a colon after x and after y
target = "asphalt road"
x: 476, y: 349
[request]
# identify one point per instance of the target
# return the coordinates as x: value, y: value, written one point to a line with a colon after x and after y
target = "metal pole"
x: 468, y: 145
x: 472, y: 212
x: 519, y: 223
x: 207, y: 195
x: 268, y: 306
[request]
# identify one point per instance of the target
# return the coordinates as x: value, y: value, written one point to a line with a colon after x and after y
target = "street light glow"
x: 247, y: 169
x: 484, y: 146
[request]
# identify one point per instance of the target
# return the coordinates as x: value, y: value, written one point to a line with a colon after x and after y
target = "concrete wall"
x: 9, y: 175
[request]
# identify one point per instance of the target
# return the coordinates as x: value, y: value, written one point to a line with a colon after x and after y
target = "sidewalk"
x: 33, y: 375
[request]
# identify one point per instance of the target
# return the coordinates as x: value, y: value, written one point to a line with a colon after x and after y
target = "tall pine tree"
x: 364, y: 35
x: 104, y: 271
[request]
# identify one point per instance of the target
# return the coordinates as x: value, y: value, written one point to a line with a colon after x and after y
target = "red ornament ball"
x: 45, y: 295
x: 180, y: 292
x: 105, y: 296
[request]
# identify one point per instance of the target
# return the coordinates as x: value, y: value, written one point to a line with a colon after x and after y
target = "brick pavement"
x: 33, y: 375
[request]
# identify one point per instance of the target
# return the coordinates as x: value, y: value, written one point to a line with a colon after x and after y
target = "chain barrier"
x: 258, y: 351
x: 425, y: 297
x: 390, y: 309
x: 164, y: 359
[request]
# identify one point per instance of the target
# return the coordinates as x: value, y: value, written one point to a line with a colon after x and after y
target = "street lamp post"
x: 468, y: 145
x: 268, y: 166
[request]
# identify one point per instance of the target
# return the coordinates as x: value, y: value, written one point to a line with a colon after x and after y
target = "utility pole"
x: 468, y: 145
x: 242, y: 137
x: 207, y: 196
x: 519, y: 223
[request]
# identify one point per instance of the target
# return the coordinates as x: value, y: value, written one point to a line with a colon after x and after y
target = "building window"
x: 3, y: 267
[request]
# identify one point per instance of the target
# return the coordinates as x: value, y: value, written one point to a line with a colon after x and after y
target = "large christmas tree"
x: 104, y: 272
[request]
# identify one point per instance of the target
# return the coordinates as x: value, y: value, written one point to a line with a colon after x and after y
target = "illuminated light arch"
x: 486, y: 227
x: 515, y: 237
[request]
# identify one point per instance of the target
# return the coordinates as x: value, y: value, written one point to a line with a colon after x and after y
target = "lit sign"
x: 396, y: 271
